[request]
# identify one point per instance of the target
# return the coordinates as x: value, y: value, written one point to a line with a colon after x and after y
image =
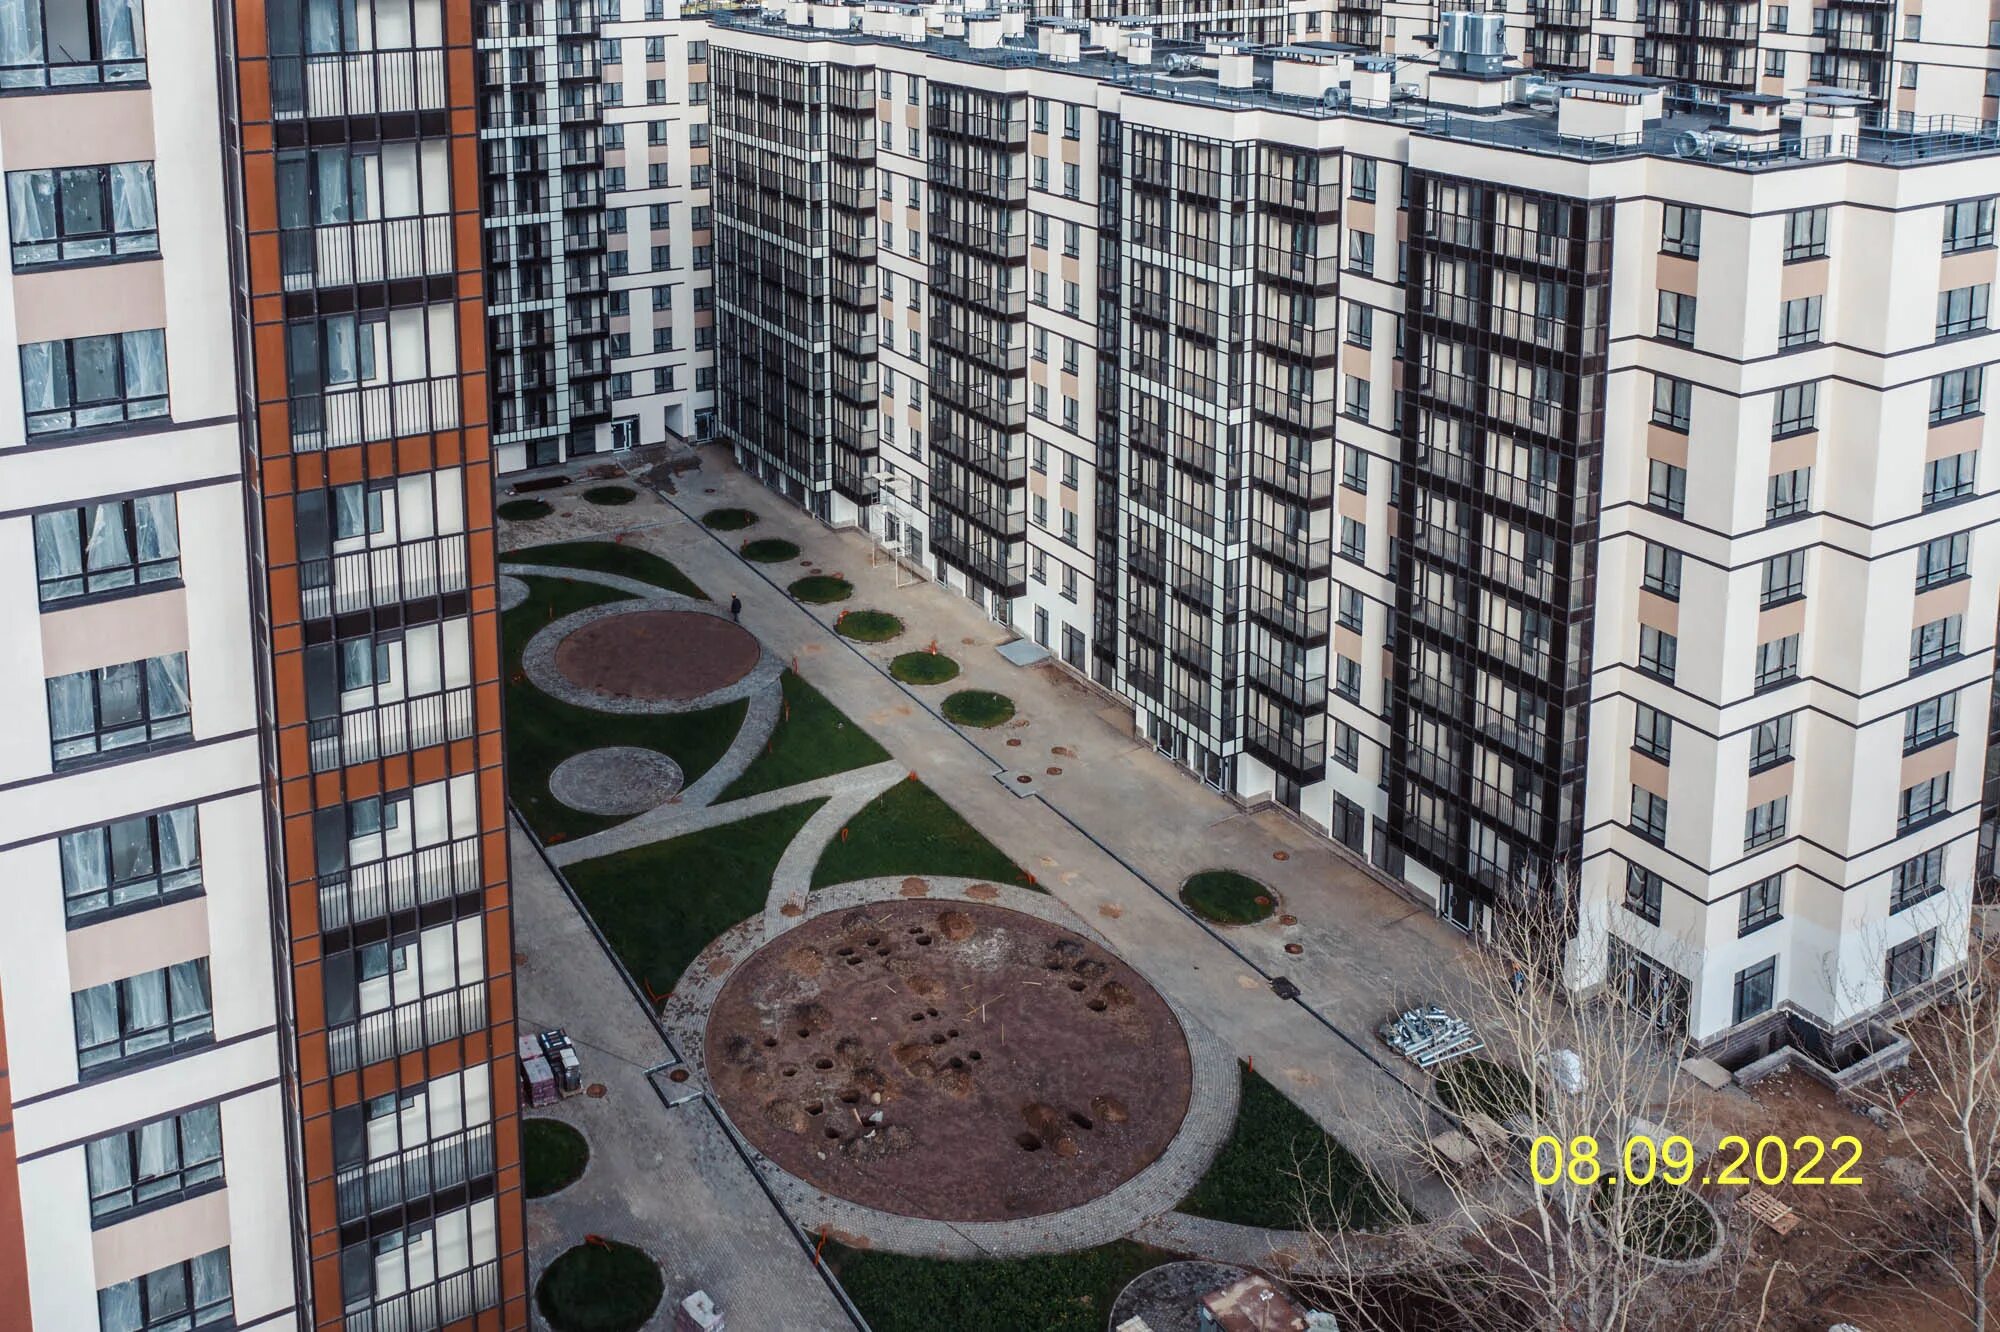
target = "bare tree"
x: 1593, y: 1072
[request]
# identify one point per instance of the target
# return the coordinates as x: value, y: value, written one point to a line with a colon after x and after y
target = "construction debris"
x: 1431, y: 1036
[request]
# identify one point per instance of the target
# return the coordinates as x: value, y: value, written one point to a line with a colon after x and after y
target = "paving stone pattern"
x: 617, y: 779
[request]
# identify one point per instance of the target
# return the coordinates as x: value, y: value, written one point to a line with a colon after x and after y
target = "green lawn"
x: 611, y: 494
x: 728, y: 520
x: 523, y: 510
x: 1470, y: 1085
x: 609, y: 557
x: 868, y: 626
x: 542, y: 731
x: 1069, y: 1292
x: 1279, y: 1167
x: 813, y: 739
x: 907, y: 830
x: 553, y: 1156
x: 659, y: 905
x: 923, y: 668
x: 978, y: 707
x: 770, y: 550
x: 1226, y: 897
x: 821, y: 589
x: 613, y: 1288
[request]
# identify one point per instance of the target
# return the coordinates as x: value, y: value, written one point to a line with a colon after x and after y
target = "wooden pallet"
x: 1770, y: 1211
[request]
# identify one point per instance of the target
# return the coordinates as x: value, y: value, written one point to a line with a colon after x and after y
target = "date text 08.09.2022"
x: 1769, y: 1161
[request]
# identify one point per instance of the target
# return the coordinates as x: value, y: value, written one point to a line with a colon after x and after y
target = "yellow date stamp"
x: 1769, y: 1160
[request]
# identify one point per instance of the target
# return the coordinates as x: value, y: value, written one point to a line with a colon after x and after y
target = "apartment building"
x: 255, y: 992
x: 1530, y: 482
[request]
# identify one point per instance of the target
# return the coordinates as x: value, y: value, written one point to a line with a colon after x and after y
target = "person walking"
x: 736, y: 609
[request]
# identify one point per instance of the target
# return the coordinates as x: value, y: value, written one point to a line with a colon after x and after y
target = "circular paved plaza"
x: 656, y: 655
x: 949, y: 1060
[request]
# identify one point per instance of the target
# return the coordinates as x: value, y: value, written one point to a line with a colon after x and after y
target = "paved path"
x: 793, y: 879
x: 665, y: 1179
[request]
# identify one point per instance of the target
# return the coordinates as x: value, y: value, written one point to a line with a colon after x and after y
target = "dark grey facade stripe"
x: 131, y: 814
x: 45, y: 778
x: 117, y: 1078
x: 235, y: 1093
x: 171, y: 488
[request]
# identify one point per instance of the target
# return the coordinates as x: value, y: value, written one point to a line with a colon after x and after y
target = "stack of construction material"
x: 1431, y: 1036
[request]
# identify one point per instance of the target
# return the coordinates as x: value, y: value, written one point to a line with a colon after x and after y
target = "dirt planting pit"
x: 657, y: 655
x: 953, y: 1061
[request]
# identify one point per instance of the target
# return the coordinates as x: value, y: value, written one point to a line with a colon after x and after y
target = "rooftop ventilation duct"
x: 1472, y: 43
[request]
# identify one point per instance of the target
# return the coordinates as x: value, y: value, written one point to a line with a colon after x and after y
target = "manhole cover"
x: 1295, y: 949
x: 596, y: 1091
x: 1055, y: 772
x: 708, y: 490
x: 1281, y: 855
x: 1024, y: 779
x: 966, y: 641
x: 1288, y: 920
x: 1015, y: 742
x: 678, y: 1075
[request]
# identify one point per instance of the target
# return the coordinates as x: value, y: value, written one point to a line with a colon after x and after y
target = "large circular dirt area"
x: 948, y: 1060
x: 657, y: 655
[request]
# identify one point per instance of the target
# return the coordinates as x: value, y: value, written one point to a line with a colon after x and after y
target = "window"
x: 136, y: 703
x: 1942, y: 559
x: 1649, y: 815
x: 1653, y: 733
x: 1671, y: 399
x: 1756, y: 988
x: 1784, y: 577
x: 1677, y: 318
x: 1805, y: 234
x: 1070, y: 470
x: 1072, y: 180
x: 1930, y: 721
x: 1041, y: 510
x: 1072, y: 239
x: 1948, y: 479
x: 1358, y: 394
x: 1963, y: 310
x: 1909, y: 964
x: 1663, y: 570
x: 656, y: 48
x: 192, y: 1294
x: 1607, y: 48
x: 1361, y: 179
x: 1666, y: 487
x: 81, y: 383
x: 1788, y: 494
x: 1919, y: 804
x: 1774, y: 64
x: 1072, y: 121
x: 1968, y: 225
x: 1777, y: 661
x: 1354, y: 469
x: 1798, y: 322
x: 1041, y: 106
x: 1643, y: 891
x: 1658, y: 652
x: 103, y: 548
x: 1353, y: 540
x: 1347, y: 678
x: 1913, y: 28
x: 80, y: 214
x: 64, y: 43
x: 1361, y: 251
x: 1038, y: 230
x: 697, y: 53
x: 1360, y: 326
x: 1771, y: 743
x: 1795, y: 409
x: 1346, y: 746
x: 1935, y: 642
x: 1680, y: 231
x: 158, y: 1010
x: 1766, y: 823
x: 1954, y: 394
x: 1910, y: 75
x: 1762, y: 905
x: 1777, y: 18
x: 1352, y: 610
x: 163, y: 1161
x: 1917, y: 878
x: 133, y: 862
x: 1069, y: 581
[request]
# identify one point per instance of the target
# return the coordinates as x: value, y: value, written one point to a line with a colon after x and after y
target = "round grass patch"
x: 728, y: 520
x: 978, y: 707
x: 869, y: 626
x: 1228, y: 898
x: 1470, y: 1085
x: 610, y: 494
x: 820, y: 589
x: 1660, y: 1220
x: 613, y: 1288
x: 524, y: 510
x: 770, y: 550
x: 553, y: 1156
x: 924, y: 668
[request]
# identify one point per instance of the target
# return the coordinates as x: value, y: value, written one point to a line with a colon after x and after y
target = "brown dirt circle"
x: 948, y: 1060
x: 657, y: 655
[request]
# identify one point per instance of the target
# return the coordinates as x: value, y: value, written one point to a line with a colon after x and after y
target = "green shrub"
x: 524, y: 510
x: 924, y: 668
x: 978, y: 707
x: 1227, y: 898
x: 869, y: 626
x: 820, y: 589
x: 611, y: 494
x: 728, y: 520
x: 613, y: 1288
x: 770, y: 550
x: 553, y: 1156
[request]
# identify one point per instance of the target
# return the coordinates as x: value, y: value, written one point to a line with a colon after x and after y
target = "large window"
x: 1777, y: 661
x: 134, y: 704
x: 1663, y: 570
x: 1649, y: 814
x: 1968, y: 225
x: 109, y: 547
x: 1927, y: 800
x: 1918, y: 878
x: 1795, y: 409
x: 1942, y: 559
x: 1672, y: 399
x: 1680, y: 231
x: 1937, y: 641
x: 1805, y: 234
x: 158, y: 1162
x: 76, y: 215
x: 1763, y: 904
x: 1643, y: 890
x: 1930, y: 721
x: 1676, y: 322
x: 131, y: 863
x: 1799, y: 322
x: 1788, y: 494
x: 1771, y: 742
x: 187, y: 1295
x: 1666, y: 487
x: 67, y: 43
x: 1910, y: 963
x: 123, y: 1020
x: 1950, y: 478
x: 84, y: 383
x: 1653, y: 733
x: 1659, y: 652
x: 1784, y: 578
x: 1764, y: 824
x: 1957, y: 393
x: 1962, y: 310
x: 1756, y: 988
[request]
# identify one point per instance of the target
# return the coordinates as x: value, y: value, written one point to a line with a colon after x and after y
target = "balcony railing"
x: 392, y: 248
x: 358, y: 415
x: 357, y: 83
x: 419, y: 1172
x: 370, y: 733
x: 364, y: 579
x: 404, y: 882
x: 453, y: 1299
x: 407, y: 1028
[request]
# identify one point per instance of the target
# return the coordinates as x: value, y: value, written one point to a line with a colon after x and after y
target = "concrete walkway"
x: 792, y: 881
x: 1113, y: 834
